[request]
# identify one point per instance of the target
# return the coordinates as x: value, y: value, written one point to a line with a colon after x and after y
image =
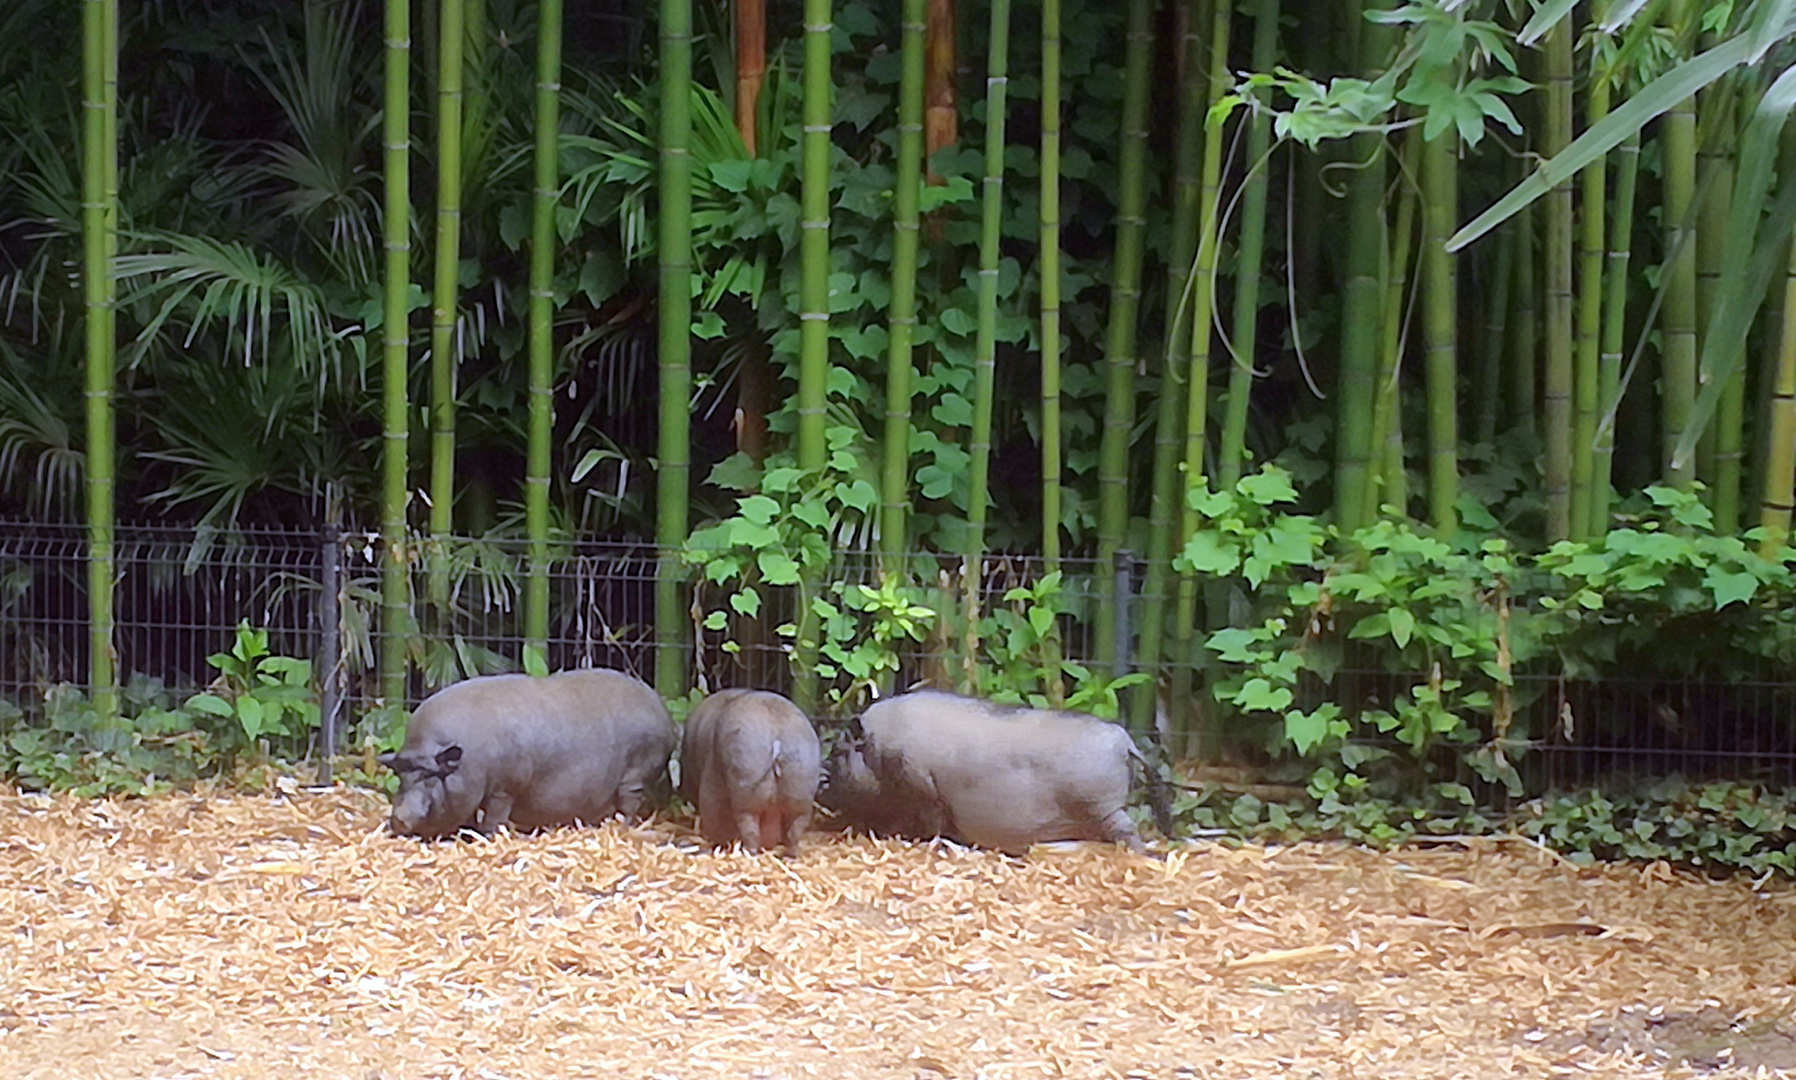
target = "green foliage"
x: 260, y: 706
x: 1446, y: 627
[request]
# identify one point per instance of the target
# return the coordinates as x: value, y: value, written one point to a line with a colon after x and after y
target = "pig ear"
x: 448, y: 760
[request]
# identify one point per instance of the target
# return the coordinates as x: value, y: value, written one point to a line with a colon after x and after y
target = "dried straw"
x: 244, y: 936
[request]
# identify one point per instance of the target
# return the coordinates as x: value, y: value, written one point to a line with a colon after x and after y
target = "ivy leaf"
x: 1233, y: 646
x: 1268, y: 487
x: 1207, y: 553
x: 953, y: 410
x: 1305, y: 730
x: 1259, y: 695
x: 747, y: 602
x: 1730, y: 587
x: 959, y: 321
x: 858, y: 494
x: 812, y: 512
x: 758, y: 509
x: 717, y: 620
x: 777, y: 568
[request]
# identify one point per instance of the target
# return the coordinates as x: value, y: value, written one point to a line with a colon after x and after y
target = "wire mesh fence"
x: 181, y: 594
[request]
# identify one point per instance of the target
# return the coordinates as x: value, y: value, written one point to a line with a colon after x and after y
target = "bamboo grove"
x: 1027, y: 277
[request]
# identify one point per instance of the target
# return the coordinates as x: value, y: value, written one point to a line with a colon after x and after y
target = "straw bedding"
x: 256, y: 936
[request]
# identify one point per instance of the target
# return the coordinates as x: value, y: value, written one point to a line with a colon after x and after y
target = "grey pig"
x: 937, y: 764
x: 529, y: 752
x: 750, y: 763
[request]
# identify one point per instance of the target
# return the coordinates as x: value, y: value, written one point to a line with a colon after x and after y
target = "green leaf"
x: 1402, y: 624
x: 535, y: 663
x: 1730, y: 588
x: 1208, y: 553
x: 1655, y: 99
x: 758, y: 509
x: 1259, y: 695
x: 747, y: 602
x: 717, y: 620
x: 210, y: 704
x: 777, y: 569
x: 1305, y: 730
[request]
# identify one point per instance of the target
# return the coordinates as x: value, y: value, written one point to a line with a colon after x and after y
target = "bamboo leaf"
x: 1749, y: 261
x: 1654, y: 100
x: 1545, y: 18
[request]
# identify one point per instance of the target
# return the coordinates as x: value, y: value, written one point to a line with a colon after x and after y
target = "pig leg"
x: 631, y: 794
x: 495, y: 813
x: 796, y: 826
x: 748, y: 830
x: 1118, y: 828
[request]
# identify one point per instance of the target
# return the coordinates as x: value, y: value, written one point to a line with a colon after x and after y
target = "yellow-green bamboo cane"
x: 396, y: 618
x: 545, y: 195
x: 1049, y: 256
x: 1168, y: 422
x: 985, y: 341
x: 1440, y: 307
x: 1360, y: 308
x: 1050, y: 324
x: 1720, y: 447
x: 1677, y: 377
x: 99, y: 222
x: 1389, y: 485
x: 1556, y: 252
x: 907, y: 192
x: 674, y: 342
x: 444, y: 348
x: 1120, y: 336
x: 813, y: 289
x: 1780, y: 459
x: 1197, y: 398
x: 1524, y: 363
x: 1245, y: 322
x: 1587, y: 383
x: 1615, y: 299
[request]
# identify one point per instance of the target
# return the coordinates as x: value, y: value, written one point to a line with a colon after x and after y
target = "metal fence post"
x: 1124, y: 568
x: 329, y: 659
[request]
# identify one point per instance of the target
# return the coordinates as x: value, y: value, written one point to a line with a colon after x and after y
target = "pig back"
x: 560, y: 746
x: 1005, y: 777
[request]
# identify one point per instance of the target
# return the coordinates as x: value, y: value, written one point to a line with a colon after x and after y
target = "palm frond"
x: 215, y: 284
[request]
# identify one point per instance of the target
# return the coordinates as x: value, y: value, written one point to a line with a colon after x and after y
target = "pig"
x: 930, y: 764
x: 529, y: 752
x: 750, y: 763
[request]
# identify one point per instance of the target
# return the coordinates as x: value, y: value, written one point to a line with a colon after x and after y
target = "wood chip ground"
x: 282, y: 936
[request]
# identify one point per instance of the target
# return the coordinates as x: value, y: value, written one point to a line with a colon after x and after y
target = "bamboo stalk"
x: 1677, y: 386
x: 1524, y: 363
x: 813, y: 344
x: 1120, y: 332
x: 1168, y: 419
x: 1050, y: 324
x: 444, y: 348
x: 674, y: 339
x: 1245, y: 323
x: 751, y: 67
x: 985, y: 342
x: 1587, y: 383
x: 1615, y: 300
x: 545, y: 195
x: 395, y: 361
x: 1440, y: 169
x: 902, y: 322
x: 1557, y: 258
x: 1780, y: 459
x: 1203, y: 283
x: 99, y: 209
x: 1389, y: 486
